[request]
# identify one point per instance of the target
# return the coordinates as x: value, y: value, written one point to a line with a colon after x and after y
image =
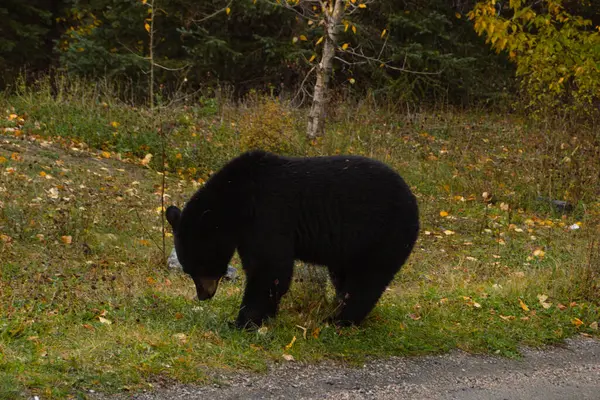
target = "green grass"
x: 461, y: 288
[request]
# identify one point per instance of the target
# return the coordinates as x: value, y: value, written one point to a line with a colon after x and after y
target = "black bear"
x: 352, y: 214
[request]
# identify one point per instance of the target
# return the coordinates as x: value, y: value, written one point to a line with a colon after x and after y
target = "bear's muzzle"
x: 206, y: 287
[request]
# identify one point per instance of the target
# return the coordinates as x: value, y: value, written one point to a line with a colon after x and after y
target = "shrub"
x: 268, y: 124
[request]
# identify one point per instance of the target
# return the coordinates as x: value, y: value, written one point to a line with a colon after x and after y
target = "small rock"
x: 314, y: 275
x: 231, y: 274
x: 173, y: 263
x: 559, y: 205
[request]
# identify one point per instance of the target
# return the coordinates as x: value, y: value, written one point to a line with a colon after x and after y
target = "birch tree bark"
x: 316, y: 116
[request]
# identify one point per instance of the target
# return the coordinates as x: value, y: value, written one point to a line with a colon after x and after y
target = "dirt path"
x: 571, y: 371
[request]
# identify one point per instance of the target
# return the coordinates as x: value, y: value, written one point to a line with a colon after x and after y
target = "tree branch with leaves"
x: 328, y: 21
x: 557, y: 53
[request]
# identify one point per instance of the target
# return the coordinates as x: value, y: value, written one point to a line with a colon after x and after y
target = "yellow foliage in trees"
x: 557, y: 54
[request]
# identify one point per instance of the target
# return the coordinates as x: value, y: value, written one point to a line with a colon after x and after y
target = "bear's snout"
x: 205, y: 287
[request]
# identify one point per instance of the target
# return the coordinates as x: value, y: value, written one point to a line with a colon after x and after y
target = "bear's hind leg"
x: 358, y: 297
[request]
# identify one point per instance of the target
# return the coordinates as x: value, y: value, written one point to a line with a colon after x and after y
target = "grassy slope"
x: 472, y: 283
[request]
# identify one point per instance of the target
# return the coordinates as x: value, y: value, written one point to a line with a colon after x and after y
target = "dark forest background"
x: 252, y: 47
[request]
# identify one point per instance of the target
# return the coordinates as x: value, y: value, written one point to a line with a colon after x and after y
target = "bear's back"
x: 330, y: 207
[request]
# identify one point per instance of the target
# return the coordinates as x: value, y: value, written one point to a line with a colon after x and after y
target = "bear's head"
x: 202, y: 247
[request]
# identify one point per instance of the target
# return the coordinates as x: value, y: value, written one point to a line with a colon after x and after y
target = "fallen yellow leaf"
x: 290, y: 344
x: 577, y: 322
x: 443, y: 214
x: 66, y: 239
x: 104, y: 320
x: 146, y: 160
x: 317, y: 330
x: 181, y: 337
x: 523, y: 305
x: 5, y: 238
x: 53, y: 193
x: 263, y: 330
x: 542, y: 298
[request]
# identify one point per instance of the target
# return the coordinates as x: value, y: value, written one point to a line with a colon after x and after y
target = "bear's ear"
x: 173, y: 214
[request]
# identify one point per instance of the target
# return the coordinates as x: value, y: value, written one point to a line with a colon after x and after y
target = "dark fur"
x: 352, y: 214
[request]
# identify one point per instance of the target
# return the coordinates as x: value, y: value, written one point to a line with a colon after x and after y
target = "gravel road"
x: 570, y: 371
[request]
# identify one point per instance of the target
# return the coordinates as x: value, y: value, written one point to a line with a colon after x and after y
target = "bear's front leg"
x: 264, y: 289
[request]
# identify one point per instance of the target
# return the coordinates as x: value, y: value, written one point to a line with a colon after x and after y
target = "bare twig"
x: 340, y: 59
x: 150, y: 59
x: 151, y: 56
x: 385, y: 64
x: 162, y: 195
x: 302, y: 89
x: 383, y: 46
x: 146, y: 231
x: 222, y: 10
x: 306, y: 11
x: 171, y: 69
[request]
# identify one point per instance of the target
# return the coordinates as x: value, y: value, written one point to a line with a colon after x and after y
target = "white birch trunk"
x: 316, y: 116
